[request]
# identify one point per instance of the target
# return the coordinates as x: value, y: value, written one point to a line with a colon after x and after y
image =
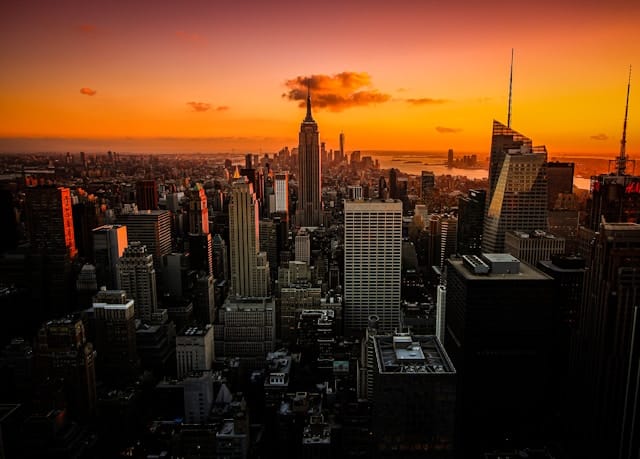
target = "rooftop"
x: 406, y: 353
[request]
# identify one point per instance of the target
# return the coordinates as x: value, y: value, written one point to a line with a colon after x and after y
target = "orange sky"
x: 404, y: 75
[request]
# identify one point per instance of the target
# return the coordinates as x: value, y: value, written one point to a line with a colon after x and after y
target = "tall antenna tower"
x: 621, y: 161
x: 510, y: 91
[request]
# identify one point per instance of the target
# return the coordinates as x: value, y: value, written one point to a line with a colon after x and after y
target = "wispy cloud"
x: 335, y: 92
x: 88, y: 91
x: 447, y: 130
x: 199, y: 106
x: 426, y: 101
x: 599, y: 137
x: 222, y: 108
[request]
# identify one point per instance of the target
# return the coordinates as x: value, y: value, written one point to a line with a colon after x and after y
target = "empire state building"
x: 309, y: 208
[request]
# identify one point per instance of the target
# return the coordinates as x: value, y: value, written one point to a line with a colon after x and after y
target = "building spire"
x: 309, y: 118
x: 622, y: 159
x: 510, y: 91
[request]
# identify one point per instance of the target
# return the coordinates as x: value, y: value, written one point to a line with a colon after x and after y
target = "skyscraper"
x: 147, y: 194
x: 498, y: 335
x: 249, y: 266
x: 50, y: 220
x: 518, y: 187
x: 198, y: 212
x: 282, y: 193
x: 606, y: 349
x: 470, y: 222
x: 137, y: 276
x: 109, y: 242
x: 372, y: 259
x: 153, y: 229
x: 309, y: 208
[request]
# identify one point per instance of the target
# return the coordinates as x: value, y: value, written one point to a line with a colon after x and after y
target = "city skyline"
x: 407, y: 76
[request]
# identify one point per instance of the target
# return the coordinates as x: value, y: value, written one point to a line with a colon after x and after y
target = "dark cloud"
x: 335, y: 92
x: 222, y: 108
x: 599, y: 137
x: 447, y: 130
x: 426, y: 101
x: 88, y: 91
x: 199, y: 106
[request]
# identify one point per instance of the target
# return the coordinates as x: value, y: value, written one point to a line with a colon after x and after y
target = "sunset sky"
x: 215, y: 76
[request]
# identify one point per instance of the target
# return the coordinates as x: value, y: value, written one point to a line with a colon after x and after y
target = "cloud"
x: 335, y: 92
x: 599, y: 137
x: 447, y: 130
x: 199, y: 106
x: 88, y: 91
x: 191, y: 38
x: 222, y: 108
x: 426, y: 101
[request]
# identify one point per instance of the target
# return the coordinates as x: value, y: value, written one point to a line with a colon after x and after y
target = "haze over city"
x: 217, y: 77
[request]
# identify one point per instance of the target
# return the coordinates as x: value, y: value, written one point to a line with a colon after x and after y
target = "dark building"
x: 606, y: 354
x: 614, y: 197
x: 470, y: 222
x: 153, y: 229
x: 498, y: 334
x: 559, y: 181
x: 414, y: 397
x: 393, y: 184
x: 9, y: 228
x: 85, y: 219
x: 427, y: 185
x: 147, y: 195
x: 201, y: 252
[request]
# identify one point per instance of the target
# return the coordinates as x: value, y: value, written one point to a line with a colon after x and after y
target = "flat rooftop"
x: 405, y: 353
x: 526, y: 272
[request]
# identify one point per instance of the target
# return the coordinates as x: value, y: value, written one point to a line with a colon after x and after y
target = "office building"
x: 303, y: 246
x: 200, y: 249
x: 606, y: 351
x: 249, y: 266
x: 309, y: 207
x: 414, y: 396
x: 194, y: 350
x: 220, y: 258
x: 372, y: 263
x: 281, y: 188
x: 531, y: 247
x: 109, y: 242
x: 427, y: 186
x: 471, y: 210
x: 518, y: 187
x: 198, y: 397
x: 198, y: 211
x: 115, y: 329
x: 63, y: 356
x: 137, y: 276
x: 498, y: 334
x: 147, y: 195
x: 559, y: 181
x: 153, y: 229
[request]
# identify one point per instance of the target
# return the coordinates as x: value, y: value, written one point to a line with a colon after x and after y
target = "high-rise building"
x: 498, y: 335
x: 615, y: 197
x: 109, y: 242
x: 194, y: 350
x: 607, y: 347
x: 414, y: 395
x: 342, y: 153
x: 309, y: 207
x: 153, y: 229
x: 249, y: 266
x: 303, y: 246
x: 137, y: 276
x: 147, y: 195
x: 201, y: 252
x: 533, y: 247
x: 518, y: 187
x: 470, y: 222
x: 63, y: 355
x: 115, y: 334
x: 282, y: 193
x: 49, y: 219
x: 220, y: 258
x: 198, y: 211
x: 393, y: 184
x: 372, y: 263
x: 559, y: 181
x: 198, y: 399
x: 427, y: 185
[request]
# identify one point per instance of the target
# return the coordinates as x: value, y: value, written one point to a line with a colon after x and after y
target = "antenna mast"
x: 510, y: 91
x: 622, y: 159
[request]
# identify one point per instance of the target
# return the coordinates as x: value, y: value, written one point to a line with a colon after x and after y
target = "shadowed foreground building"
x: 414, y: 397
x: 498, y: 334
